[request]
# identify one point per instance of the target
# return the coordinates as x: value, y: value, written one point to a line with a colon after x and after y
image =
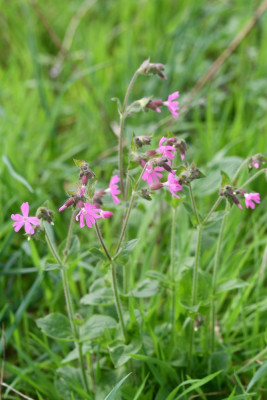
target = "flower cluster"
x: 231, y: 193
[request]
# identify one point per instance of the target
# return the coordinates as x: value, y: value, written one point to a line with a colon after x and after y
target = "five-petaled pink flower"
x: 114, y: 189
x: 90, y: 213
x: 173, y: 185
x: 167, y: 151
x: 25, y: 220
x: 173, y: 105
x: 250, y: 197
x: 152, y: 175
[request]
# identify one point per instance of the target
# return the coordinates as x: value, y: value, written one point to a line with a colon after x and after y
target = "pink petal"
x: 17, y: 217
x: 18, y: 226
x: 25, y: 209
x: 28, y: 228
x: 173, y: 96
x: 34, y: 220
x: 114, y: 179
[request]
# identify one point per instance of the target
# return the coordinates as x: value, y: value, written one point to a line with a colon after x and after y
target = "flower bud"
x: 45, y: 214
x: 148, y: 68
x: 255, y: 161
x: 156, y: 186
x: 141, y: 141
x: 154, y: 105
x: 145, y: 194
x: 67, y: 204
x: 151, y: 153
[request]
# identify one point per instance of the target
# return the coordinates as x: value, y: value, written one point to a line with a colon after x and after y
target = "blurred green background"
x: 55, y: 105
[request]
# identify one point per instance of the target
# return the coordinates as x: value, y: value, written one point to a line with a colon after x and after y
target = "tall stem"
x: 214, y: 276
x: 129, y: 211
x: 174, y: 214
x: 253, y: 177
x: 194, y: 296
x: 114, y: 281
x: 213, y: 208
x: 67, y: 294
x: 193, y: 203
x: 239, y: 170
x: 123, y: 116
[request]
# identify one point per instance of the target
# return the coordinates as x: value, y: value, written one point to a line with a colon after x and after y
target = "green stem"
x: 66, y: 250
x: 214, y: 276
x: 213, y: 208
x: 114, y: 281
x: 239, y: 170
x: 117, y: 299
x: 125, y: 222
x: 174, y: 214
x: 193, y: 203
x: 123, y: 116
x: 194, y: 297
x: 67, y: 294
x: 253, y: 177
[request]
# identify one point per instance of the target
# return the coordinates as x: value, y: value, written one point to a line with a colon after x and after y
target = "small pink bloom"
x: 173, y: 185
x: 173, y: 105
x: 255, y: 164
x: 25, y: 220
x: 90, y: 213
x: 114, y: 189
x: 106, y: 214
x: 152, y: 175
x: 250, y: 197
x: 167, y: 151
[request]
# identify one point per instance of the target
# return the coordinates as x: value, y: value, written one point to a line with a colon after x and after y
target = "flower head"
x: 152, y: 175
x: 90, y: 213
x: 25, y: 220
x: 250, y: 197
x: 173, y: 105
x: 167, y: 151
x: 173, y: 185
x: 114, y: 189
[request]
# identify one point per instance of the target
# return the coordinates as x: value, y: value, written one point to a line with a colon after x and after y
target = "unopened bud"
x: 67, y: 204
x: 80, y: 204
x: 255, y: 161
x: 151, y: 153
x: 156, y: 186
x: 154, y: 105
x: 142, y: 141
x: 145, y: 194
x: 45, y: 214
x: 148, y: 68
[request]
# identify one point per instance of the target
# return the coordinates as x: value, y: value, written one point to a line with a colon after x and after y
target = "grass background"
x: 46, y: 122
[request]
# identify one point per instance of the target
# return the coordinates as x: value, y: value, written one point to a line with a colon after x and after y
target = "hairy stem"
x: 69, y: 305
x: 213, y: 208
x: 174, y: 214
x: 114, y: 281
x: 123, y: 115
x: 194, y: 296
x: 253, y: 177
x: 214, y: 276
x: 125, y: 222
x: 193, y: 201
x: 239, y: 170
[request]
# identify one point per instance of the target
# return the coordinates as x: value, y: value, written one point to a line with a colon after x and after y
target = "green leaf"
x: 79, y: 163
x: 120, y: 353
x: 196, y: 383
x: 146, y: 288
x: 96, y: 325
x: 98, y: 254
x: 129, y: 246
x: 162, y: 364
x: 114, y: 391
x: 231, y: 285
x: 15, y: 175
x: 185, y: 287
x: 103, y: 296
x: 258, y: 375
x: 225, y: 179
x: 57, y: 326
x: 219, y: 360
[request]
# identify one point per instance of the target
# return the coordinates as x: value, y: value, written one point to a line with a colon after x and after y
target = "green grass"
x: 47, y: 122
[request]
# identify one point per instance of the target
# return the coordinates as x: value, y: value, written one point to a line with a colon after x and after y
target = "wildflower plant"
x: 156, y: 164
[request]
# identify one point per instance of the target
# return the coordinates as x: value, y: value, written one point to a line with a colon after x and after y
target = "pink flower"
x: 114, y: 189
x: 166, y: 150
x: 25, y: 220
x: 106, y: 214
x: 173, y: 185
x: 250, y: 197
x: 173, y: 105
x: 255, y: 164
x: 152, y: 175
x: 90, y: 213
